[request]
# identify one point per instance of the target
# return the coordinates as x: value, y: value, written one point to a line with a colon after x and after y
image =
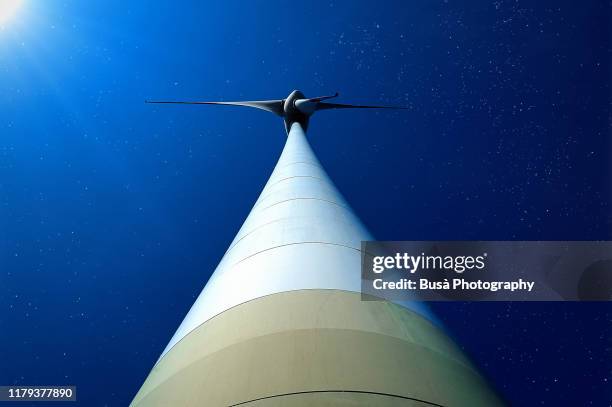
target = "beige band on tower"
x: 281, y: 321
x: 325, y: 346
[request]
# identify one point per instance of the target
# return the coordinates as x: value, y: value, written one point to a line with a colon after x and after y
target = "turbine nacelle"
x: 295, y: 108
x: 298, y: 109
x: 289, y: 102
x: 307, y: 105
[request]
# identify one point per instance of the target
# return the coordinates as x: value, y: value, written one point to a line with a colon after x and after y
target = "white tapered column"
x: 281, y: 321
x: 301, y: 234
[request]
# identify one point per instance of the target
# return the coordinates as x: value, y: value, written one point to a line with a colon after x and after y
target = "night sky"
x: 113, y: 213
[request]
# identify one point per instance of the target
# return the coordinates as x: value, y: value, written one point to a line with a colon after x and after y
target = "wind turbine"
x: 281, y: 321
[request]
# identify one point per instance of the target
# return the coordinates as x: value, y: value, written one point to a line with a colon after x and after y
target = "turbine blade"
x: 325, y: 106
x: 322, y: 98
x: 273, y: 106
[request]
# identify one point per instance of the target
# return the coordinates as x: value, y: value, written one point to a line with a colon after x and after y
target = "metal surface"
x: 301, y: 234
x: 310, y: 347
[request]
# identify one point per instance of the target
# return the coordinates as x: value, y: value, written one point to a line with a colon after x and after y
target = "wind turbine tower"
x: 281, y: 321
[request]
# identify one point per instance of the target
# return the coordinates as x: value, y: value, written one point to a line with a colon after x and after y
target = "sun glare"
x: 8, y: 8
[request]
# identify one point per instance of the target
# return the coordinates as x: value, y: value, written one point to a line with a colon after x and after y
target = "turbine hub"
x: 292, y: 113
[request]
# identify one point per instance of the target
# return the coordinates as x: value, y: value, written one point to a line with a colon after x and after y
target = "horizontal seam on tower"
x: 297, y: 199
x: 261, y: 199
x: 295, y: 176
x: 375, y: 393
x: 293, y: 244
x: 301, y: 162
x: 253, y: 231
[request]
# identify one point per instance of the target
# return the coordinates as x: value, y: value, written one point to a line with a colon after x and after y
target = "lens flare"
x: 8, y: 8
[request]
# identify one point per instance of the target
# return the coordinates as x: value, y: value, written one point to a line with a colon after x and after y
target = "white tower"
x: 281, y: 321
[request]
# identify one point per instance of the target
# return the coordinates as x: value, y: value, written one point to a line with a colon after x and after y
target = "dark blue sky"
x: 114, y: 213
